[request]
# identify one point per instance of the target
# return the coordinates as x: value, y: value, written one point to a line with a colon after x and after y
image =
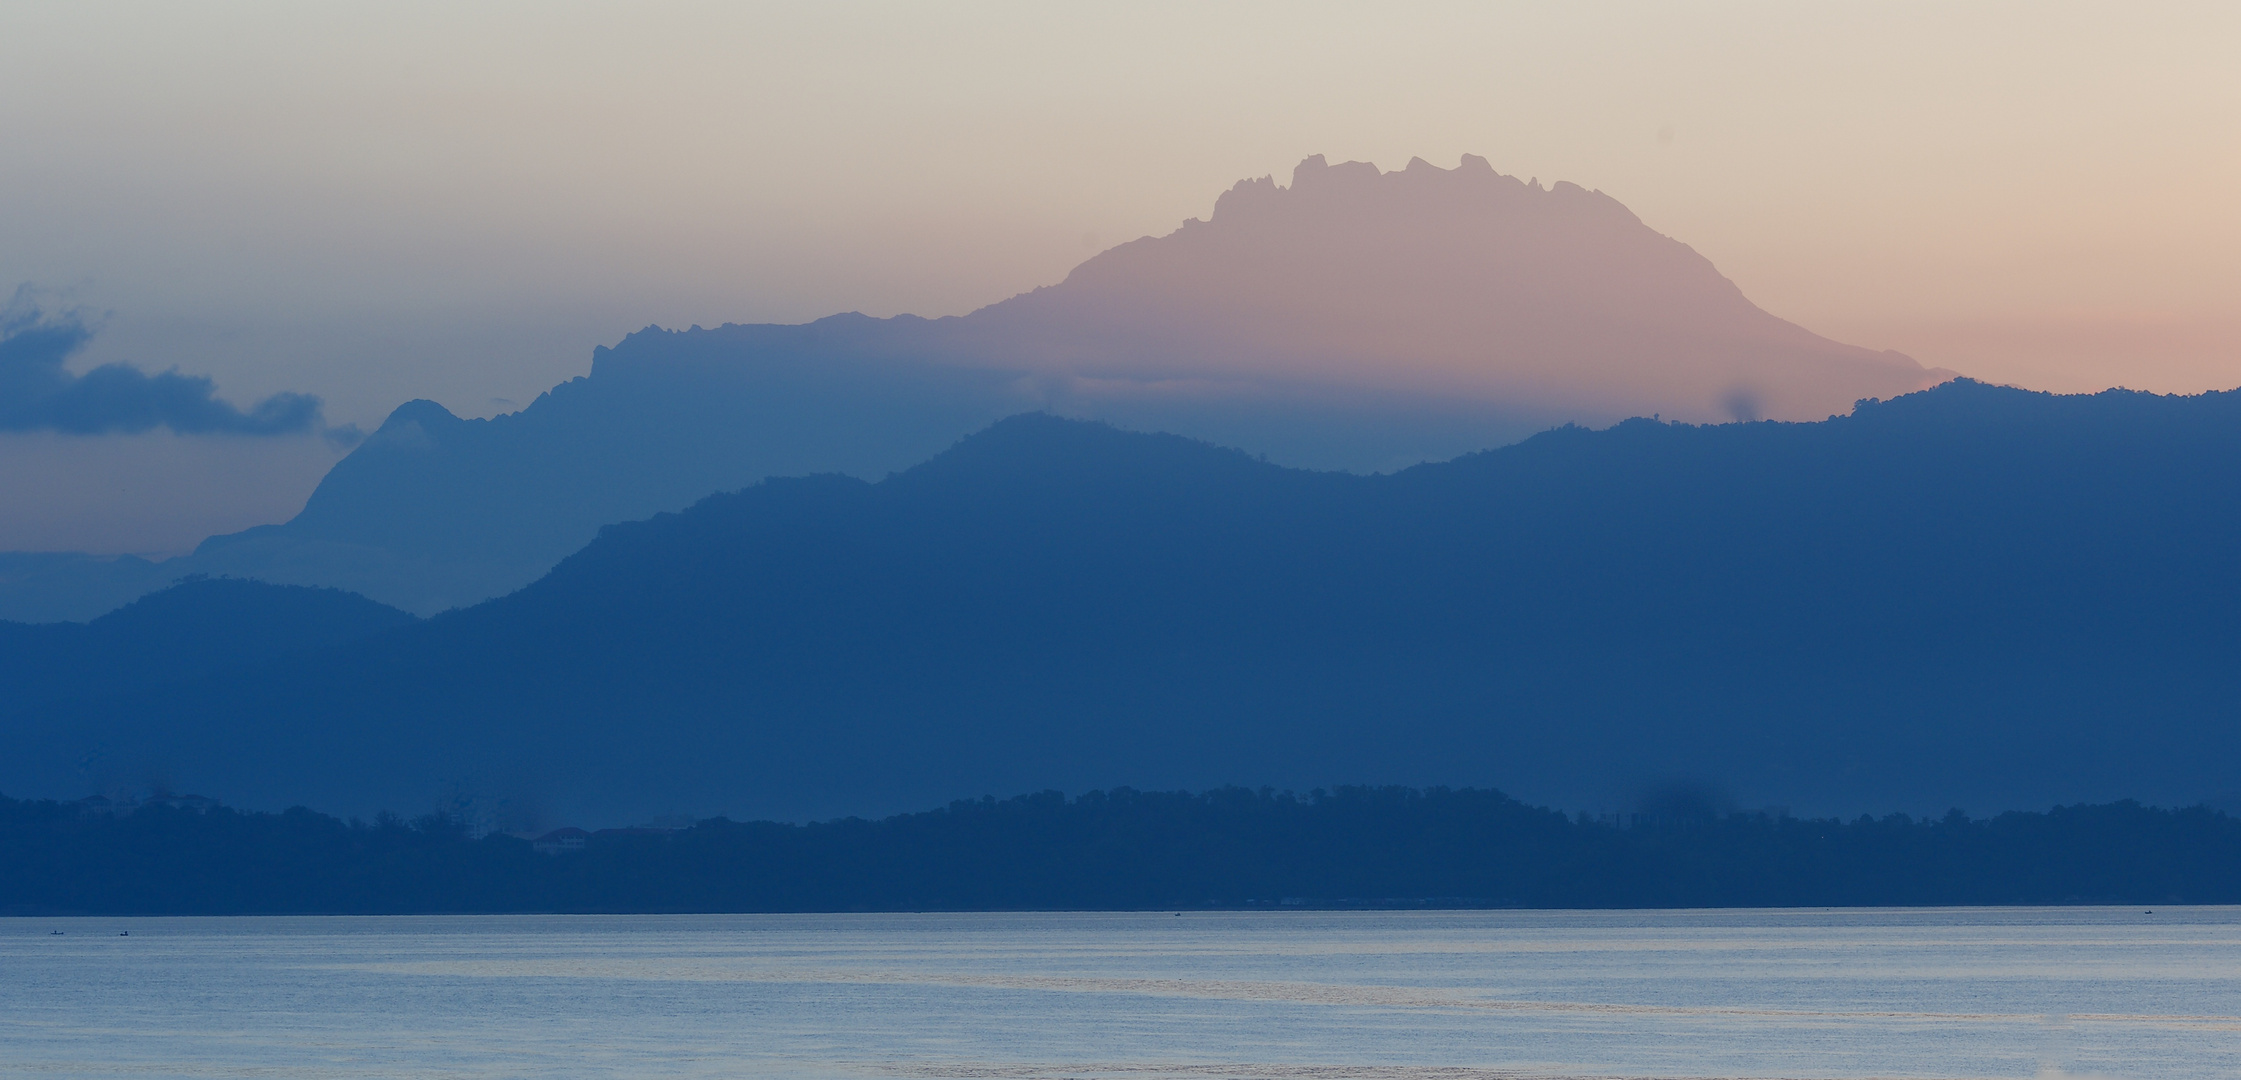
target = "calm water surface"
x: 2091, y: 992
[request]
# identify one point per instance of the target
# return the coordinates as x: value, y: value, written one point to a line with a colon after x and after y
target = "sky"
x: 376, y: 202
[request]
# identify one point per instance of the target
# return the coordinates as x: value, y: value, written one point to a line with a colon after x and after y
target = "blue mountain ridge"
x: 1972, y: 595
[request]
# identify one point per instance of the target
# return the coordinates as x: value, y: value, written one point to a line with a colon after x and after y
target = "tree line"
x: 1387, y: 847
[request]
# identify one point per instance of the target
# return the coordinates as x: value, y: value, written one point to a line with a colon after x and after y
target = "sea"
x: 1421, y: 995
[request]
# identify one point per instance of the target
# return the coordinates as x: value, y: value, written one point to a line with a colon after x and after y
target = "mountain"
x: 190, y: 630
x: 434, y: 511
x: 1429, y: 282
x: 1354, y: 320
x: 1970, y: 596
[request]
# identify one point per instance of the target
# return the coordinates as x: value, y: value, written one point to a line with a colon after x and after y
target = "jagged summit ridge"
x: 1316, y: 177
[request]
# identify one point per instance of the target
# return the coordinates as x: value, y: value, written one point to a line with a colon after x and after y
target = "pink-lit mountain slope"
x: 1553, y: 301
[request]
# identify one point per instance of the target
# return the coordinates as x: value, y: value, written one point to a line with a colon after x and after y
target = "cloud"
x: 38, y: 394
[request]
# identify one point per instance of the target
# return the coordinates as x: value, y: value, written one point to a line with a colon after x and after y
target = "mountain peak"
x: 413, y: 423
x: 1466, y: 283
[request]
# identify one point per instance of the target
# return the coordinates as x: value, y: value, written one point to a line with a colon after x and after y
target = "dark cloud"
x: 38, y: 394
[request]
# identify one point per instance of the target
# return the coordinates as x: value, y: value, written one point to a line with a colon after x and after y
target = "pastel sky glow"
x: 378, y: 202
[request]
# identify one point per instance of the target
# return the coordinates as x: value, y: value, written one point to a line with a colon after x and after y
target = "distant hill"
x: 1968, y: 596
x: 1353, y: 320
x: 192, y: 630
